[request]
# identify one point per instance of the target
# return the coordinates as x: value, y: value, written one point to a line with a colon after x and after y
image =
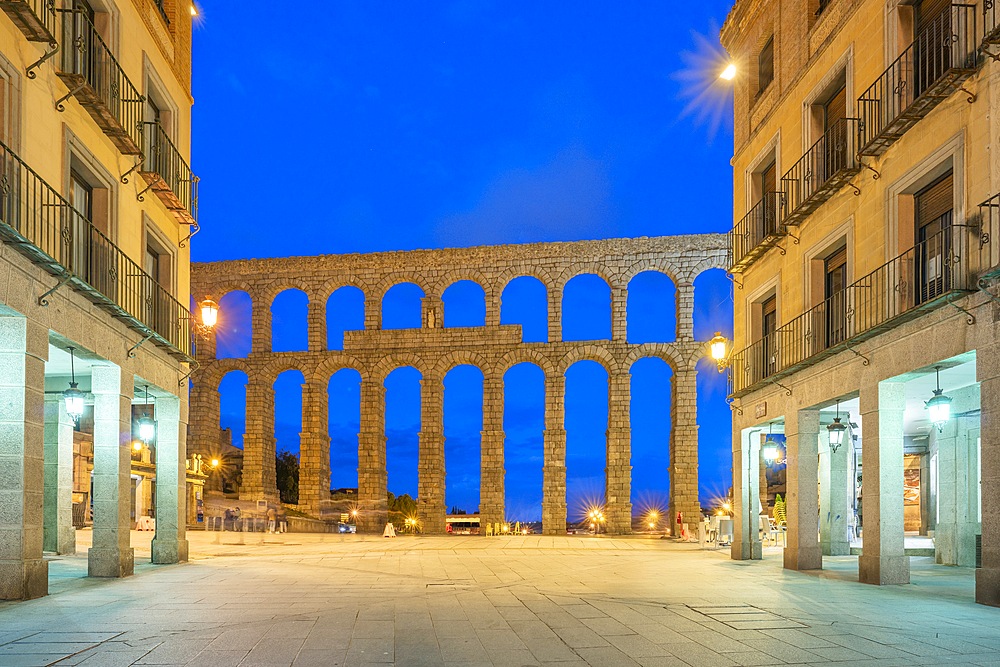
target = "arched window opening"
x: 649, y: 416
x: 344, y: 392
x: 586, y: 309
x: 463, y: 425
x: 715, y: 420
x: 345, y: 311
x: 586, y: 438
x: 401, y: 307
x: 233, y: 408
x: 652, y: 308
x: 713, y: 305
x: 525, y: 301
x: 524, y: 452
x: 234, y: 329
x: 288, y: 411
x: 402, y: 428
x: 290, y: 321
x: 464, y: 304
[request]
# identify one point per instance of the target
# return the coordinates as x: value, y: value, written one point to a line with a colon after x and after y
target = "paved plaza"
x: 321, y: 600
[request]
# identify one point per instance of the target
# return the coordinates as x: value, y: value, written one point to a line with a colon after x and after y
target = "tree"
x: 456, y: 510
x: 286, y: 468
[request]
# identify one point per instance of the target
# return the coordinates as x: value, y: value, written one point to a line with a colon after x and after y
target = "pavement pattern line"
x: 307, y: 600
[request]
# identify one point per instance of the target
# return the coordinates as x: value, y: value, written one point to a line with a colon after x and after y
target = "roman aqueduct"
x: 433, y: 350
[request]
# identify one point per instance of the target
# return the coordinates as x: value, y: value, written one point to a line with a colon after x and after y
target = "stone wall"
x: 433, y: 350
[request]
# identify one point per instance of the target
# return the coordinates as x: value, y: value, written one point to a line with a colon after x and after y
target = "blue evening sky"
x: 369, y: 126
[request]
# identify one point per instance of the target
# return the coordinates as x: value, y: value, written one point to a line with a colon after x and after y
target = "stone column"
x: 373, y: 313
x: 432, y: 312
x: 619, y: 312
x: 206, y: 421
x: 111, y: 555
x: 491, y: 473
x: 260, y: 341
x: 988, y: 374
x: 883, y: 559
x: 554, y: 465
x: 493, y: 306
x: 317, y: 325
x: 835, y: 490
x: 802, y: 551
x: 684, y: 448
x: 170, y: 544
x: 685, y: 311
x: 430, y: 489
x: 259, y: 478
x: 24, y: 346
x: 314, y: 460
x: 958, y: 473
x: 60, y: 535
x: 746, y: 495
x: 555, y: 294
x: 618, y: 474
x: 372, y: 479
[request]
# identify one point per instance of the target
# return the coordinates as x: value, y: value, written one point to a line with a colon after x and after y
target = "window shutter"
x: 928, y: 10
x: 836, y: 107
x: 935, y: 200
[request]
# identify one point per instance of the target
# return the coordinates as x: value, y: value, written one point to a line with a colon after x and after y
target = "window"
x: 765, y: 66
x: 834, y: 283
x: 768, y: 329
x: 158, y: 264
x: 933, y: 214
x: 933, y: 36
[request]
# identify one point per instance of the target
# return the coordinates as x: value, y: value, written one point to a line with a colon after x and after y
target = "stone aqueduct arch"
x: 433, y: 350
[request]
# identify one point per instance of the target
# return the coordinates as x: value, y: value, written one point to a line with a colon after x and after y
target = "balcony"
x: 40, y: 224
x: 926, y: 73
x: 99, y: 83
x: 168, y: 175
x: 826, y: 167
x: 36, y: 19
x: 927, y: 276
x: 756, y: 232
x: 991, y: 25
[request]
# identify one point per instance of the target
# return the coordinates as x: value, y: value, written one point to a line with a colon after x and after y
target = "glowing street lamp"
x: 939, y: 406
x: 729, y: 73
x: 147, y: 427
x: 836, y: 431
x: 73, y: 396
x: 770, y: 447
x: 209, y: 312
x: 718, y: 346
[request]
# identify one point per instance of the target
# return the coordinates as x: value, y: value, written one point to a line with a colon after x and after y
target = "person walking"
x: 271, y: 518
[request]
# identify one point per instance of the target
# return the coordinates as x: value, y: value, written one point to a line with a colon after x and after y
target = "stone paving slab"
x: 319, y: 600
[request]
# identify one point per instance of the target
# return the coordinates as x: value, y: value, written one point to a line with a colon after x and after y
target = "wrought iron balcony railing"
x: 826, y: 167
x: 168, y: 175
x: 36, y: 19
x: 989, y: 238
x: 991, y: 23
x: 759, y: 230
x: 927, y: 275
x: 99, y: 83
x: 42, y: 225
x: 926, y: 73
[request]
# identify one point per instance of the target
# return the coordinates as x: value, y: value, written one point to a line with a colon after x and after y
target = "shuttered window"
x: 835, y: 108
x: 935, y: 201
x: 926, y: 11
x: 769, y: 179
x: 765, y: 66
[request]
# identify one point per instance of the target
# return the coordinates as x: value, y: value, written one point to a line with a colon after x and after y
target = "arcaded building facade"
x: 865, y: 250
x: 434, y: 349
x: 97, y: 207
